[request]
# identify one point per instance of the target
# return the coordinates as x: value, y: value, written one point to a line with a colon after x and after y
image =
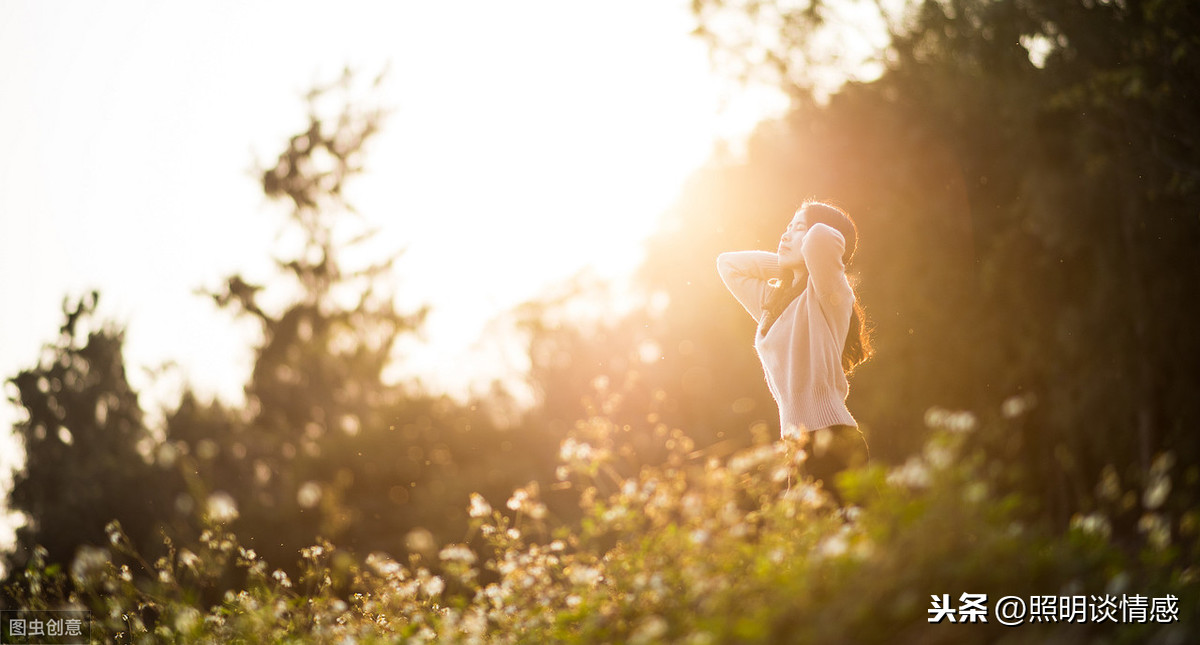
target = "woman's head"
x: 858, y: 341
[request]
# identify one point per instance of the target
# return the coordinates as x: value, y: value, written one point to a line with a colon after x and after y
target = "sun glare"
x: 545, y: 167
x: 524, y: 146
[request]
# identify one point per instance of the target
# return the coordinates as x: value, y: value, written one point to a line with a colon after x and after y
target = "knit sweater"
x: 802, y: 351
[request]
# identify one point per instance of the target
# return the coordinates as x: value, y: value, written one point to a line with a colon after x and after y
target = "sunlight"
x: 543, y: 167
x: 524, y: 145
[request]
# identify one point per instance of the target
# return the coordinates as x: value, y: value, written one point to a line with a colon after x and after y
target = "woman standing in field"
x: 811, y: 333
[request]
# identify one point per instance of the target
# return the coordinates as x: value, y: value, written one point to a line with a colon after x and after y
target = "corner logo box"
x: 45, y: 627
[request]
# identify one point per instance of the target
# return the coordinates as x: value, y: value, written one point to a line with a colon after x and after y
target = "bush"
x: 697, y: 549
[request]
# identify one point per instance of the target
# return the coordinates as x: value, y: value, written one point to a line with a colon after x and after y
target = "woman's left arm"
x: 822, y: 249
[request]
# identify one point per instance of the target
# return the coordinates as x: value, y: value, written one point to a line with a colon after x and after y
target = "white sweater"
x: 802, y: 352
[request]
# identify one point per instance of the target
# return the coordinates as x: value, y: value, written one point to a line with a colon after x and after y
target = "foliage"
x: 1024, y: 177
x: 88, y: 452
x: 317, y: 376
x: 697, y: 550
x: 325, y: 446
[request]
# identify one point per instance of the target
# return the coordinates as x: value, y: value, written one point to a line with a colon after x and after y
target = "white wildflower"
x: 433, y: 586
x: 457, y: 553
x: 479, y: 506
x: 913, y: 474
x: 221, y: 507
x: 188, y: 560
x: 385, y: 566
x: 517, y: 500
x: 572, y: 450
x: 939, y: 456
x: 186, y: 620
x: 584, y: 575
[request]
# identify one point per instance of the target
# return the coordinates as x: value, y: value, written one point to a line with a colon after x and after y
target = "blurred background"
x: 327, y: 273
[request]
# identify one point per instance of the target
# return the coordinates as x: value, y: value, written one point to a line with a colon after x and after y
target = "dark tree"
x: 1059, y: 137
x: 89, y: 457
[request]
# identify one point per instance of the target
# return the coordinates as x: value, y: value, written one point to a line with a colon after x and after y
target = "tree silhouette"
x: 89, y: 457
x: 326, y: 447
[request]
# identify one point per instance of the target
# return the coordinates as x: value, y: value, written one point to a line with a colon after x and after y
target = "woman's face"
x: 790, y: 256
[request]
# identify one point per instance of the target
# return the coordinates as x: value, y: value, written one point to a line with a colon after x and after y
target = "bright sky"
x: 127, y: 130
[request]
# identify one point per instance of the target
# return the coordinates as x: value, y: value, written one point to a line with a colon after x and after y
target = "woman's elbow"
x: 822, y: 245
x: 724, y: 263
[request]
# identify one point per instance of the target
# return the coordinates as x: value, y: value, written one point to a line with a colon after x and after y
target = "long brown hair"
x: 858, y: 340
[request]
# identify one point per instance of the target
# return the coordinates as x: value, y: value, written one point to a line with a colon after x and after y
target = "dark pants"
x: 832, y: 450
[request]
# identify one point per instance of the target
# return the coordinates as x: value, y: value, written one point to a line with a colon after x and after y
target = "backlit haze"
x: 528, y: 142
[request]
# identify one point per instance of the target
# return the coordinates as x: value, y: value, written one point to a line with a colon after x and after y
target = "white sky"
x: 127, y: 130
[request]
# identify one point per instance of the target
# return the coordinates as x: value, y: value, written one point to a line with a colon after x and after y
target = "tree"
x: 317, y: 380
x: 89, y: 457
x: 1064, y: 127
x: 326, y: 447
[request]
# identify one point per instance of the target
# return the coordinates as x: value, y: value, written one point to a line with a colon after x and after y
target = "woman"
x: 811, y: 332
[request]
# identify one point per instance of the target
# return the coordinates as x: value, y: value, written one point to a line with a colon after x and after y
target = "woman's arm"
x: 823, y: 249
x: 745, y: 274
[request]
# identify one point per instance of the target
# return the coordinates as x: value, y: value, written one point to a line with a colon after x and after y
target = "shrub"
x: 697, y: 549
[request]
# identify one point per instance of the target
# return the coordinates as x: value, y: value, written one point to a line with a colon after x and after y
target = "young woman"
x: 811, y: 332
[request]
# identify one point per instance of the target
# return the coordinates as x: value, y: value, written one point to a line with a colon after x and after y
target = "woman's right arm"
x: 745, y: 274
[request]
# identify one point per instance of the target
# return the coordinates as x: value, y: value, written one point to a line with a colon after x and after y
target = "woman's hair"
x: 858, y: 341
